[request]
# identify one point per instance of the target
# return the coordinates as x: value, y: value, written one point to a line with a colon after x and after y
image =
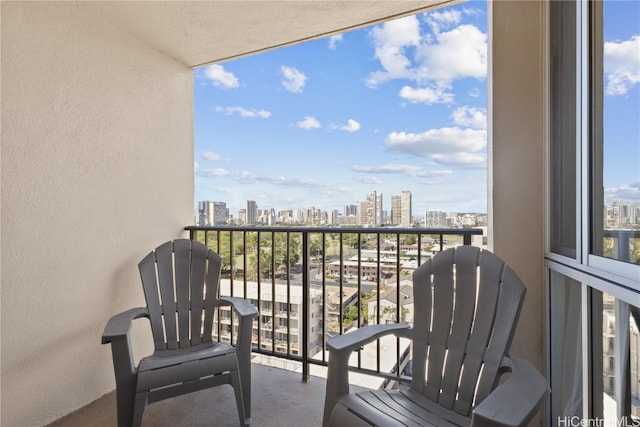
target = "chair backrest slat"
x: 149, y: 278
x: 198, y: 271
x: 510, y: 300
x: 442, y: 269
x: 422, y: 298
x: 211, y: 293
x: 180, y: 281
x: 467, y: 302
x: 164, y: 259
x: 182, y: 255
x: 490, y: 272
x: 466, y: 262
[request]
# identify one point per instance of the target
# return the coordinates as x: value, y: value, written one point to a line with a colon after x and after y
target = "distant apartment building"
x: 405, y: 209
x: 350, y: 210
x: 279, y: 322
x: 621, y: 215
x: 212, y: 213
x: 332, y: 217
x: 335, y: 301
x: 347, y: 220
x: 315, y: 216
x: 395, y: 305
x: 252, y: 212
x: 242, y: 217
x: 435, y: 219
x: 373, y: 213
x: 361, y: 213
x: 396, y: 210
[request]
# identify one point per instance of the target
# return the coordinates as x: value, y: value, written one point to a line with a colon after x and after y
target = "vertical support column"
x: 516, y: 138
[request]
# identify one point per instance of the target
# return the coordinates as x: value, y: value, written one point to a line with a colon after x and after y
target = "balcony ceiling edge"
x: 202, y: 32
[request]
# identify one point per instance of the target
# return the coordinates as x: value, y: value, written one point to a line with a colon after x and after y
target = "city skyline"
x: 392, y: 107
x: 396, y: 106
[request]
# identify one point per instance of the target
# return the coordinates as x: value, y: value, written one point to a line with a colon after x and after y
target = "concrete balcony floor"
x: 279, y: 399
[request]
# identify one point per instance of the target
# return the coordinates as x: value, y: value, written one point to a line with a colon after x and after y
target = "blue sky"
x: 622, y: 102
x: 393, y: 107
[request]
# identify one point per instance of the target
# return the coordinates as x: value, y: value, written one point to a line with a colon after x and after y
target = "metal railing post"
x: 305, y: 306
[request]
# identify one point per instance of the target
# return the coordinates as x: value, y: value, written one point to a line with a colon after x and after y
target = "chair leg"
x: 138, y: 409
x: 125, y: 402
x: 237, y: 389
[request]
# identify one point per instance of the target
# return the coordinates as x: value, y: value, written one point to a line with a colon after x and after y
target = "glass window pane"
x: 563, y: 127
x: 616, y: 130
x: 620, y: 369
x: 566, y: 347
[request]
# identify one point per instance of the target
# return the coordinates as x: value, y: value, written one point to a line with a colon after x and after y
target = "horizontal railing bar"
x: 340, y: 230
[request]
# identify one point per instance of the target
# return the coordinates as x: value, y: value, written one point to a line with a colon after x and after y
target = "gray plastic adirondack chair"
x: 466, y: 306
x: 180, y: 280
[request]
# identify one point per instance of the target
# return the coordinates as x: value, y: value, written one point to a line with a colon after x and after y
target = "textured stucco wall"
x: 97, y: 169
x: 516, y: 153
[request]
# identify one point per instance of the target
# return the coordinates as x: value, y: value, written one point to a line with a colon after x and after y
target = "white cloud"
x: 409, y: 170
x: 437, y: 141
x: 439, y: 19
x: 293, y: 80
x: 391, y: 40
x: 471, y: 117
x: 627, y: 193
x: 250, y: 178
x: 218, y: 77
x: 309, y: 122
x: 351, y: 126
x: 433, y: 61
x: 243, y: 112
x: 368, y: 179
x: 456, y: 54
x: 210, y: 155
x: 464, y: 160
x: 622, y: 65
x: 213, y: 172
x: 334, y: 40
x: 427, y: 95
x: 196, y: 167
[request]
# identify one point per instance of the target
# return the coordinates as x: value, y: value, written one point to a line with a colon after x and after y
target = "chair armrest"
x: 120, y: 324
x: 516, y: 401
x: 241, y: 306
x: 340, y: 348
x: 356, y: 339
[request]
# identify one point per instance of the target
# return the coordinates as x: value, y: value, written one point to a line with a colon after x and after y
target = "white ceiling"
x: 200, y: 32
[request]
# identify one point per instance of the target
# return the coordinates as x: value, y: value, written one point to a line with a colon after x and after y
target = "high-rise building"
x: 361, y: 213
x: 435, y: 219
x: 350, y: 210
x: 332, y: 217
x: 242, y: 217
x: 405, y: 209
x: 252, y: 212
x: 212, y: 213
x: 220, y: 213
x: 401, y: 209
x: 374, y: 209
x: 396, y: 210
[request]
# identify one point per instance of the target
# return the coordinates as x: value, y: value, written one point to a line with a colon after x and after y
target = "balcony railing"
x: 310, y: 283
